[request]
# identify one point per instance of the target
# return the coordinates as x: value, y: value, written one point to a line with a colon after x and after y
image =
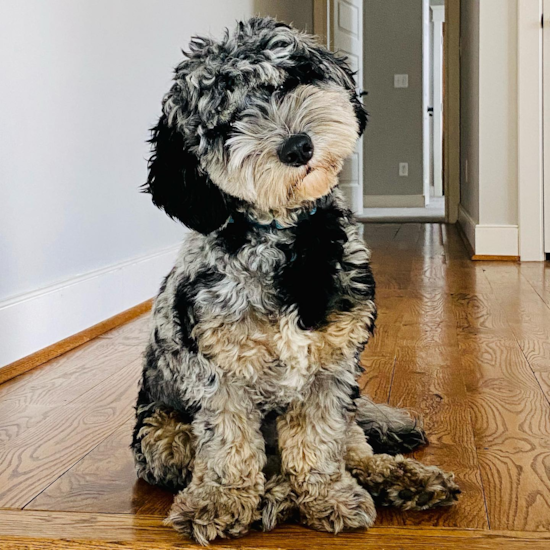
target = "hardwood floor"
x: 466, y: 345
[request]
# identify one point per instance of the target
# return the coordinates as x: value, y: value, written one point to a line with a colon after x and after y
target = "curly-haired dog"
x: 249, y: 404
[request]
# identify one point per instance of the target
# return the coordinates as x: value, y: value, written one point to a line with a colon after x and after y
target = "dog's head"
x: 266, y: 116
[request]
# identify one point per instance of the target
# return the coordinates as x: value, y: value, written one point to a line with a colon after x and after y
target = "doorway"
x: 410, y: 168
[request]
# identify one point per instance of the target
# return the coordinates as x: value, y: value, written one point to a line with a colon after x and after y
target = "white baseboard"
x: 35, y: 320
x: 394, y: 201
x: 497, y: 240
x: 489, y: 240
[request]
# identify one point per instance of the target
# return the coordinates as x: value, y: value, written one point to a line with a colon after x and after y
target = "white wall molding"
x: 394, y: 201
x: 37, y: 319
x: 489, y: 240
x: 497, y: 240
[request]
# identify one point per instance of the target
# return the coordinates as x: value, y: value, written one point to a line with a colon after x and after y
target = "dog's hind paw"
x: 406, y: 483
x: 210, y: 512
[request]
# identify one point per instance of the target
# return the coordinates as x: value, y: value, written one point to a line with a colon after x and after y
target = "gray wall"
x: 393, y: 45
x: 469, y: 106
x: 297, y: 12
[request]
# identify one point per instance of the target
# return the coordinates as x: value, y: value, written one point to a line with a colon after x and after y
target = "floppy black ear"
x: 178, y: 185
x: 360, y: 111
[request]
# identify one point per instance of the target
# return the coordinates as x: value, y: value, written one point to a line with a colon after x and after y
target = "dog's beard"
x: 254, y: 171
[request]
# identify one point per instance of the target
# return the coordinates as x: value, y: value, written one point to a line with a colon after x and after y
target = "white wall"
x: 393, y: 45
x: 82, y: 82
x: 498, y: 114
x: 489, y: 185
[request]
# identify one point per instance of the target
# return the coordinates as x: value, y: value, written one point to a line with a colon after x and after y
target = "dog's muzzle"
x: 297, y: 150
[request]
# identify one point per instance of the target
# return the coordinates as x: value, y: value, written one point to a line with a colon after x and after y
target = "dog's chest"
x: 248, y: 329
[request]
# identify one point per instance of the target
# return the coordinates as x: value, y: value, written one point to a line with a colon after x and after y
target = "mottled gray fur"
x: 238, y: 339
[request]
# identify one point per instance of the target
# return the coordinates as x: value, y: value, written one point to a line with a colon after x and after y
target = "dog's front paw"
x: 337, y: 506
x: 408, y: 484
x: 207, y: 512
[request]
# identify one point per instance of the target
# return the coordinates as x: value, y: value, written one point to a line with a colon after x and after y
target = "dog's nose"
x: 297, y: 150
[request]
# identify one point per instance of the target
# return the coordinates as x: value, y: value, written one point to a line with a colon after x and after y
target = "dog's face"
x: 266, y: 116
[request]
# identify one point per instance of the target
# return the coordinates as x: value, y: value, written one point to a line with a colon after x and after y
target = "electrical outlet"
x: 404, y: 169
x: 400, y: 80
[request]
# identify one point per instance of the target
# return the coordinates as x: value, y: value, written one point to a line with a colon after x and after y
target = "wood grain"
x: 35, y: 530
x: 26, y: 401
x: 36, y: 458
x: 105, y: 481
x: 510, y: 416
x: 55, y: 350
x: 427, y: 380
x: 134, y: 333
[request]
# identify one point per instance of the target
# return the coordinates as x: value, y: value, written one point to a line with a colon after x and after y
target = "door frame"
x: 530, y: 130
x: 437, y: 20
x: 451, y: 106
x: 451, y: 111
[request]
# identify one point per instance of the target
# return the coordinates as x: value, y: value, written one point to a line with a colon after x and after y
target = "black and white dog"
x: 249, y: 404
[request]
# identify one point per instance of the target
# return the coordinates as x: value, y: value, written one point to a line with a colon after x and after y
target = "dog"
x: 249, y: 407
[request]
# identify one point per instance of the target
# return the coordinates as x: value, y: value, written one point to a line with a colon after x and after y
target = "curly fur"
x: 249, y: 404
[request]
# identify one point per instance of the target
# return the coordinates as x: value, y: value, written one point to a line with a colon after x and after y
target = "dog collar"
x: 275, y: 223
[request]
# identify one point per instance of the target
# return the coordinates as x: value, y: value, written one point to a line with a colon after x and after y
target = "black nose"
x: 297, y: 150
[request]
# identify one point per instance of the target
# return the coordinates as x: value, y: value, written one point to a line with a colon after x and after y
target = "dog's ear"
x: 360, y: 112
x: 177, y: 184
x: 350, y: 84
x: 337, y: 69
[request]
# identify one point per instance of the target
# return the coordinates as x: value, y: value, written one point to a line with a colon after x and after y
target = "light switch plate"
x: 401, y: 81
x: 404, y: 169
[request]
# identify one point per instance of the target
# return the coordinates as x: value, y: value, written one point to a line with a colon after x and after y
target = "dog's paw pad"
x: 429, y: 488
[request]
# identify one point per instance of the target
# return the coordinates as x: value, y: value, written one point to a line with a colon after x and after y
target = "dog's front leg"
x: 312, y: 443
x: 223, y: 496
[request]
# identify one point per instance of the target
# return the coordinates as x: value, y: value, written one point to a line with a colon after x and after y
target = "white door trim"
x: 438, y: 18
x: 546, y: 125
x: 347, y: 38
x: 530, y: 130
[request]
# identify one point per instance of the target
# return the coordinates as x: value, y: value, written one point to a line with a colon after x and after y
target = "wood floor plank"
x: 105, y: 481
x: 36, y: 458
x: 47, y: 530
x: 102, y: 481
x: 135, y: 333
x: 427, y: 380
x: 510, y: 414
x: 69, y: 376
x: 32, y: 398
